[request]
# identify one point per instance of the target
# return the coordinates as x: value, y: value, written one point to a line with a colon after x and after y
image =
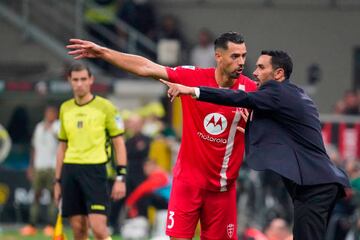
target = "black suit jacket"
x: 283, y: 133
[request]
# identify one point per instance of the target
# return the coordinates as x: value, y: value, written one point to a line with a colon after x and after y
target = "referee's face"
x: 81, y: 83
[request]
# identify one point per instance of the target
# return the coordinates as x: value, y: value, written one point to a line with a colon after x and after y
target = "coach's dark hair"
x: 223, y: 39
x: 75, y: 67
x: 280, y: 59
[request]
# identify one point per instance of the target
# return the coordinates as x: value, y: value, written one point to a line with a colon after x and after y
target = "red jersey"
x: 211, y: 149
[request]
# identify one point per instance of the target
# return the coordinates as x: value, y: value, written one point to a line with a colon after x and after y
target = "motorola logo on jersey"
x: 215, y: 123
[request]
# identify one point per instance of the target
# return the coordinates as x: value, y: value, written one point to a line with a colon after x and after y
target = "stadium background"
x: 322, y: 36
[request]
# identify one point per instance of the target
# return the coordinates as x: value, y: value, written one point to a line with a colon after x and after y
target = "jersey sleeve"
x: 114, y: 122
x: 62, y: 133
x: 183, y: 74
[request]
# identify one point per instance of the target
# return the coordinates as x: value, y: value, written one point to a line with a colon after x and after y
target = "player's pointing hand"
x: 176, y: 90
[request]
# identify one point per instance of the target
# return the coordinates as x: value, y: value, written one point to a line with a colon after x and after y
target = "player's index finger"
x: 164, y: 82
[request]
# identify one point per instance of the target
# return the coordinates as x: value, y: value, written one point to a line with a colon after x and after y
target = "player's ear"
x: 217, y: 55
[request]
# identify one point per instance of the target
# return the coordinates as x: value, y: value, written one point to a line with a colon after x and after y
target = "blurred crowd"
x: 102, y: 18
x: 349, y: 104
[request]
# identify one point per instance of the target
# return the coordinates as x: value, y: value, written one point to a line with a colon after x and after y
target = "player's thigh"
x: 183, y: 211
x: 218, y: 215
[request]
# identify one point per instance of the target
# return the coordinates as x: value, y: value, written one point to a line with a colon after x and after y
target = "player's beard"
x: 235, y: 74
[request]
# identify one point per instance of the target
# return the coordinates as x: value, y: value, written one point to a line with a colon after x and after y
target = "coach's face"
x: 231, y: 61
x: 81, y: 82
x: 264, y: 70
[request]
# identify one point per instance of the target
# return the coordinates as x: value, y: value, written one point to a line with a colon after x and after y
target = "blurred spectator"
x: 138, y: 14
x: 202, y: 55
x: 169, y: 29
x: 172, y: 49
x: 100, y: 22
x: 101, y: 14
x: 41, y: 169
x: 137, y: 146
x: 340, y: 220
x: 154, y: 191
x: 278, y: 229
x: 349, y: 105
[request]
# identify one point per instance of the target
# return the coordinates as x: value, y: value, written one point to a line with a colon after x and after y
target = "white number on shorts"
x: 171, y: 218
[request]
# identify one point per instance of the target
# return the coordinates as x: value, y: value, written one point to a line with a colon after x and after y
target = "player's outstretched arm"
x: 128, y: 62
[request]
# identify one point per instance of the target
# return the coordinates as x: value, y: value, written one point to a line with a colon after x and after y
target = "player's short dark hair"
x: 223, y: 39
x: 280, y: 59
x: 75, y: 67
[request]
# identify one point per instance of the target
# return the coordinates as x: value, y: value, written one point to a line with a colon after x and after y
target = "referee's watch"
x: 121, y: 173
x: 120, y: 178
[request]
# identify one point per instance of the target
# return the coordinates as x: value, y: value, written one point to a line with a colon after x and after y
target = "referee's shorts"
x: 84, y: 189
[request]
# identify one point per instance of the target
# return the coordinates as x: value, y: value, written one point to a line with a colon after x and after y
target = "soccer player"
x: 85, y: 123
x: 211, y: 149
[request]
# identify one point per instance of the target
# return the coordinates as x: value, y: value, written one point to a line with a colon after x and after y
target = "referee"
x: 85, y: 123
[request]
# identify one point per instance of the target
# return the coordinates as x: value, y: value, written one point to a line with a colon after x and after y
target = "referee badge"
x: 119, y: 122
x: 80, y: 124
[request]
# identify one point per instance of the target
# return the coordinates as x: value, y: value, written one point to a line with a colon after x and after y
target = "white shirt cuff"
x: 197, y: 92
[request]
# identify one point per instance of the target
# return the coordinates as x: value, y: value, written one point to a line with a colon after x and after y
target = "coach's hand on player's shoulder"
x: 118, y: 190
x: 84, y: 49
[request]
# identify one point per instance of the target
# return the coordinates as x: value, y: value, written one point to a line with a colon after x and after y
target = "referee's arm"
x: 119, y: 187
x: 59, y: 162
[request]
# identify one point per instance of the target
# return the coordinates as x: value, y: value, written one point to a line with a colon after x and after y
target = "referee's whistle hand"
x: 118, y: 190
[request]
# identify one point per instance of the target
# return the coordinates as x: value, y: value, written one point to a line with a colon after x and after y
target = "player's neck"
x: 82, y: 100
x: 223, y: 80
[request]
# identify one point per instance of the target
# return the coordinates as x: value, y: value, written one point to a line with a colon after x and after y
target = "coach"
x: 283, y: 134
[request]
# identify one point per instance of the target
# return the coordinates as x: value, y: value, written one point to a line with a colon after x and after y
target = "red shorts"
x: 216, y: 211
